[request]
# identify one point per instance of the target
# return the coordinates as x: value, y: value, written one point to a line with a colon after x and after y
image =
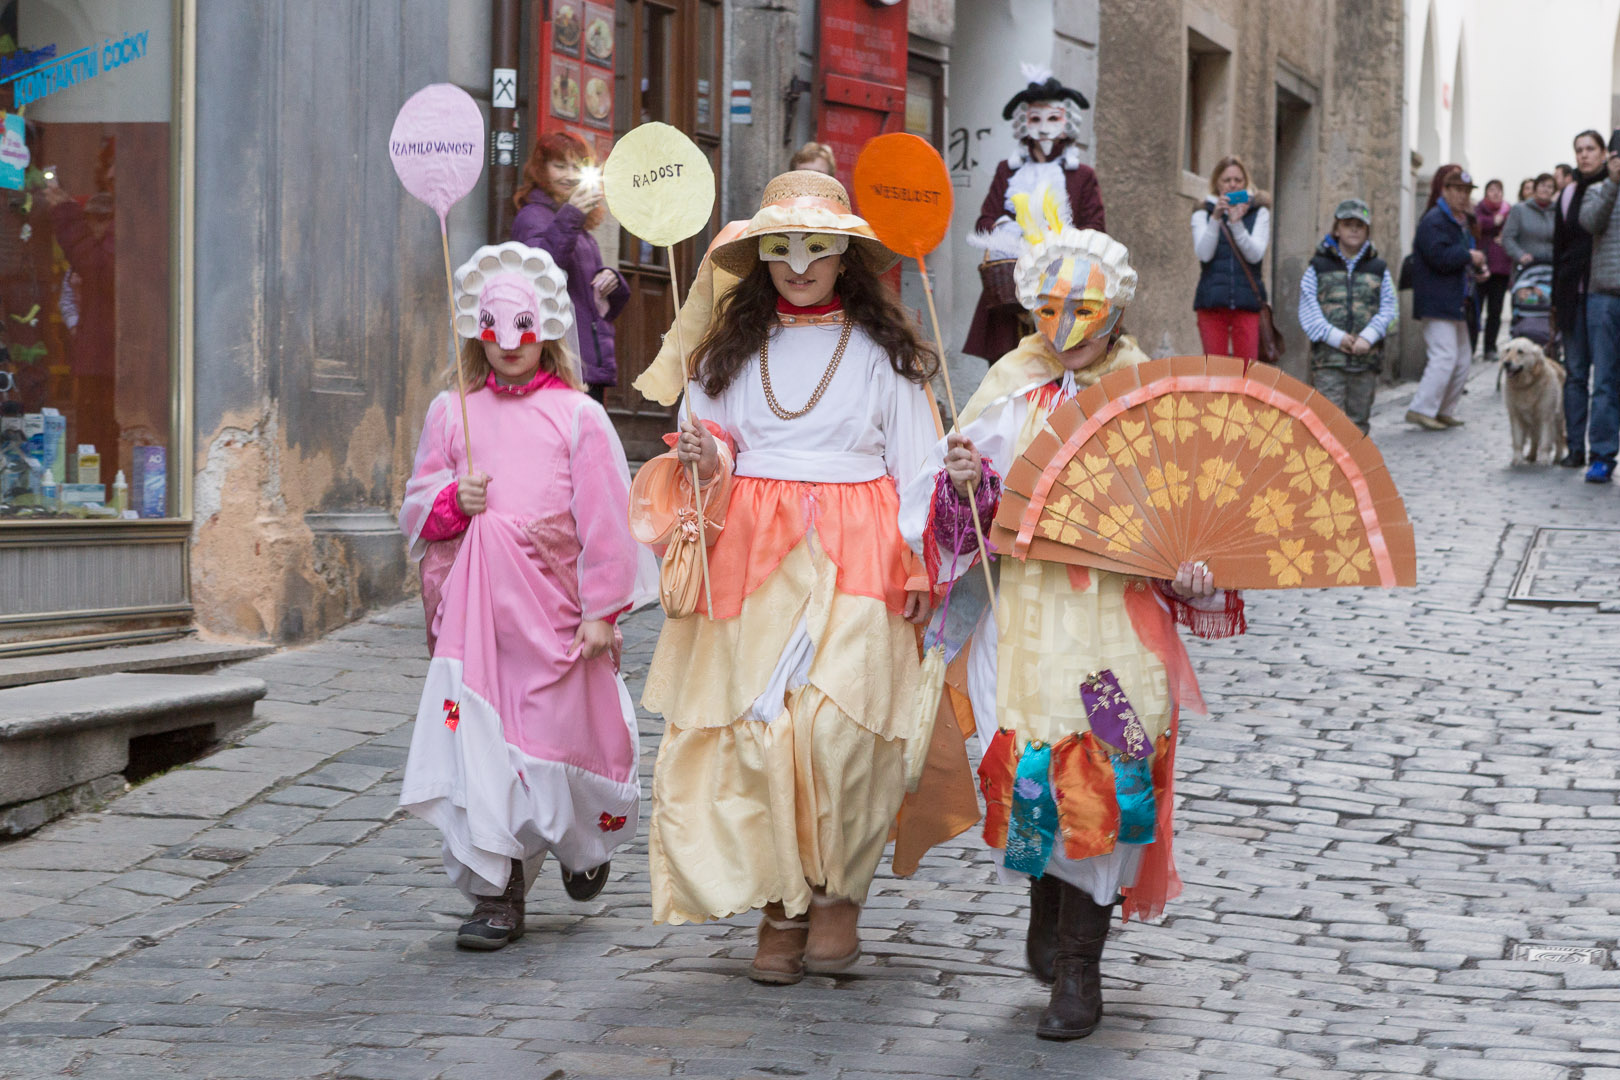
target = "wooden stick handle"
x: 950, y: 399
x: 697, y: 488
x: 455, y: 361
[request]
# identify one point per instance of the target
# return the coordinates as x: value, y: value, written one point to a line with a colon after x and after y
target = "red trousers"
x: 1227, y: 332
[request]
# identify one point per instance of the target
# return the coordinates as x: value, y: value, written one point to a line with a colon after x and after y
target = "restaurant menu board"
x: 577, y: 46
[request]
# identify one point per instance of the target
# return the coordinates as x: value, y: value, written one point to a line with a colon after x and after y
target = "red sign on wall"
x: 576, y: 72
x: 861, y: 81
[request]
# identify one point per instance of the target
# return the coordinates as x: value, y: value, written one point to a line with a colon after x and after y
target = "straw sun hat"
x: 803, y: 201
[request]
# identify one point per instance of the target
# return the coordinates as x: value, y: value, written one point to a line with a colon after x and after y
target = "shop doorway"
x: 671, y: 53
x: 1294, y: 229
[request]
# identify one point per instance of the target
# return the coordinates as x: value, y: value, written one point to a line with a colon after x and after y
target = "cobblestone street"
x: 1395, y: 791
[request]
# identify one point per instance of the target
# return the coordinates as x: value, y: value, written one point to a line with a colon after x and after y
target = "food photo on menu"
x: 599, y: 34
x: 598, y: 100
x: 565, y: 27
x: 565, y: 90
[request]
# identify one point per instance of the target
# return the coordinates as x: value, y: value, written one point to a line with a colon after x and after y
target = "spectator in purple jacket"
x: 557, y: 212
x: 1490, y: 214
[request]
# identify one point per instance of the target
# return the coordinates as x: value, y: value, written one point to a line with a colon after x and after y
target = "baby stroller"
x: 1532, y: 304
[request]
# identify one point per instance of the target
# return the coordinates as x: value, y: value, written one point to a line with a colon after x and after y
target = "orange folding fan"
x: 1194, y: 458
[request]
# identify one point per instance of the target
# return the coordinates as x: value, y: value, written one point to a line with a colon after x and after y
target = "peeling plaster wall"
x: 1347, y: 56
x: 319, y: 320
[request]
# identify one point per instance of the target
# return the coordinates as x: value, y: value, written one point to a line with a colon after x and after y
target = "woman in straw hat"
x: 789, y: 704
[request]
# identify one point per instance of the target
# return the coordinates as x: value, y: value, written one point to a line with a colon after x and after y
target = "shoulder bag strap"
x: 1242, y: 262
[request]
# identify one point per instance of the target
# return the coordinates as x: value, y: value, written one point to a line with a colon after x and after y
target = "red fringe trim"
x: 1228, y: 622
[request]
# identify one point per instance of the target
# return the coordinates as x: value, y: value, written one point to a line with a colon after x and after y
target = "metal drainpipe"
x: 505, y: 32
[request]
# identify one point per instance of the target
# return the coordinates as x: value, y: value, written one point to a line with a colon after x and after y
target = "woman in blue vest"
x: 1230, y: 292
x: 1445, y: 265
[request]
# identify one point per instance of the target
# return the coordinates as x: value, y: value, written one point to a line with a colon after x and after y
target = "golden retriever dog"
x: 1535, y: 401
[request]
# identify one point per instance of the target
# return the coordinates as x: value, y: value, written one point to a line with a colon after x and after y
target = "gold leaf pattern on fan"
x: 1311, y: 470
x: 1061, y: 516
x: 1272, y: 512
x: 1331, y: 513
x: 1120, y: 527
x: 1087, y: 477
x: 1227, y: 419
x: 1290, y: 565
x: 1349, y: 562
x: 1271, y: 431
x: 1176, y: 418
x: 1129, y: 442
x: 1217, y: 479
x: 1168, y: 486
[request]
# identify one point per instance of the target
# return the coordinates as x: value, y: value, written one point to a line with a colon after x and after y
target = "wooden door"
x: 669, y: 70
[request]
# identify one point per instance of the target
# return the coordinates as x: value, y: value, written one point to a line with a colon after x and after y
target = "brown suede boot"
x: 835, y: 937
x: 1076, y: 1006
x: 496, y: 921
x: 779, y: 957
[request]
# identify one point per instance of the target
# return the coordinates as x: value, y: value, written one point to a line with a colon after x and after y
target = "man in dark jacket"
x: 1603, y: 324
x: 1572, y: 265
x: 1446, y: 261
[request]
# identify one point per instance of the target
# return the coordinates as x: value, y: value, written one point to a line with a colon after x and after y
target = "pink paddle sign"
x: 437, y: 146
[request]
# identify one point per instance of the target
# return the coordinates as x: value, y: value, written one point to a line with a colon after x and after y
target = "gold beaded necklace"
x: 821, y: 387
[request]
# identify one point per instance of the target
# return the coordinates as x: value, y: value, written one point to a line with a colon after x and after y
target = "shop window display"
x: 85, y: 281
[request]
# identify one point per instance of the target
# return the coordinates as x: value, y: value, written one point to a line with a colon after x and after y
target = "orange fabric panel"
x: 1083, y: 784
x: 996, y: 770
x: 858, y: 526
x: 1157, y: 882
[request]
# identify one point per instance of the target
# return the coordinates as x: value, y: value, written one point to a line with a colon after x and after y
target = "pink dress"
x: 520, y: 749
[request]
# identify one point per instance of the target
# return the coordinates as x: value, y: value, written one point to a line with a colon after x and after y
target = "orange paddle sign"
x: 903, y: 190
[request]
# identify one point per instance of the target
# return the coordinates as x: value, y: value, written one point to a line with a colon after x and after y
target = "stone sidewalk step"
x: 188, y: 656
x: 58, y: 736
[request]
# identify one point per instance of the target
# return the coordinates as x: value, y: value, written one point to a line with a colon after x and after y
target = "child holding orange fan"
x: 1077, y: 685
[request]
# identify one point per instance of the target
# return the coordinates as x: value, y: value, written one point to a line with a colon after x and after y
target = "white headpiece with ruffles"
x: 554, y: 311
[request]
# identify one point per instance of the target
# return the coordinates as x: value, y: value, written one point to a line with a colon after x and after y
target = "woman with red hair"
x: 557, y: 211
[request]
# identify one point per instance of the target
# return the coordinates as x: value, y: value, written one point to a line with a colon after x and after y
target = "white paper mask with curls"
x: 1045, y: 122
x: 511, y: 294
x: 1075, y: 282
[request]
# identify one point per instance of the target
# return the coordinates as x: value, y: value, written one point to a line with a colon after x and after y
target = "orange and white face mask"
x: 1072, y: 304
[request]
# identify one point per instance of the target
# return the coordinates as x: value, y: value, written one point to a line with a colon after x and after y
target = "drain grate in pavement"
x: 1534, y: 953
x: 1569, y: 566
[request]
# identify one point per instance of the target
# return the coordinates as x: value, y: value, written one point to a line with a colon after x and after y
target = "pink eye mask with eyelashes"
x: 507, y: 311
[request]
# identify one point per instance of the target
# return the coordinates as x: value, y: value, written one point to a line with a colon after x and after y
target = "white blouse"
x: 870, y: 421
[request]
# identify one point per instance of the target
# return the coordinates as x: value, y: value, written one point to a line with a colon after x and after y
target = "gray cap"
x: 1353, y: 209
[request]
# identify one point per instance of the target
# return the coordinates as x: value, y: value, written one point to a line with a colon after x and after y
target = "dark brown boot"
x: 496, y: 921
x: 1076, y: 1006
x: 1040, y: 943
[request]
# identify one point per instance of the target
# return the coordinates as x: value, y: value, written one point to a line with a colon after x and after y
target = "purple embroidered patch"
x: 1111, y: 717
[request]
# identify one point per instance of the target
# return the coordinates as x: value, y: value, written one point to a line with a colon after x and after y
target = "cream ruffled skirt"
x: 782, y: 763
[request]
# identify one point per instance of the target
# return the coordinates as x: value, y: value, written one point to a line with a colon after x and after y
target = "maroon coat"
x: 994, y: 333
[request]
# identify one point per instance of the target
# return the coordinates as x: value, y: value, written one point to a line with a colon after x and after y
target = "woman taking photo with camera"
x: 1233, y: 223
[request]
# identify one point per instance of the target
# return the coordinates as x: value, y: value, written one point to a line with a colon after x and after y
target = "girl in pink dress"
x: 525, y: 740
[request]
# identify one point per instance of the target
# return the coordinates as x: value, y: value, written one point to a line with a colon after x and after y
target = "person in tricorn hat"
x: 1045, y: 118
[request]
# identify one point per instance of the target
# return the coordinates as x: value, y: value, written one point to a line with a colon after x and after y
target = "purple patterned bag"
x: 1111, y: 717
